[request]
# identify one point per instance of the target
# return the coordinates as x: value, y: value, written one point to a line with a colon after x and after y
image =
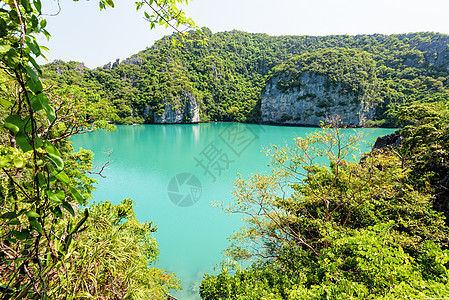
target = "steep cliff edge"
x: 184, y: 111
x: 312, y: 103
x: 314, y: 86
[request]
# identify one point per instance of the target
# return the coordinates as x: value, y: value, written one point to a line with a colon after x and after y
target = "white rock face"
x: 312, y: 103
x: 189, y: 112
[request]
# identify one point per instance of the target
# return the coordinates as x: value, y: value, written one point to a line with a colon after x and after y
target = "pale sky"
x: 81, y: 32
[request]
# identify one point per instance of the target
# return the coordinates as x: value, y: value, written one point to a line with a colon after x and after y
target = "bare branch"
x: 109, y: 153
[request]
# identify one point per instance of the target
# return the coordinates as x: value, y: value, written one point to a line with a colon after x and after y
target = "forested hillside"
x: 222, y: 79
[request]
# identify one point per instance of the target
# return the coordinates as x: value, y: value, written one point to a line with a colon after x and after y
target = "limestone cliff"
x: 309, y: 88
x: 180, y: 111
x: 312, y: 102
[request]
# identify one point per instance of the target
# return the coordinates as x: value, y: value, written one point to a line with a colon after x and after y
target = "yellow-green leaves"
x: 19, y: 162
x: 32, y: 214
x: 57, y: 196
x: 61, y: 176
x: 4, y: 161
x: 10, y: 157
x: 105, y: 3
x: 78, y: 197
x: 4, y: 47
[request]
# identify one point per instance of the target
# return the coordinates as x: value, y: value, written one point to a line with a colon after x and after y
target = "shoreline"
x: 261, y: 123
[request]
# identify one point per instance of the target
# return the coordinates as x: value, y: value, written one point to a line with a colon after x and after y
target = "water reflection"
x: 147, y: 157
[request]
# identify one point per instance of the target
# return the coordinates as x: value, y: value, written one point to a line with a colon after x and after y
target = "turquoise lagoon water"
x: 175, y: 172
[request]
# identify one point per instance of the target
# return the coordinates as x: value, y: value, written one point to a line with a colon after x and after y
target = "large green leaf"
x: 14, y: 123
x: 32, y: 214
x: 11, y: 127
x: 47, y: 107
x: 12, y: 58
x: 36, y: 103
x: 35, y: 65
x: 38, y: 142
x: 9, y: 215
x: 35, y: 86
x: 34, y: 47
x: 41, y: 101
x: 36, y: 225
x: 79, y: 198
x: 3, y: 29
x: 21, y: 235
x: 23, y: 142
x: 61, y: 176
x: 59, y: 163
x: 57, y: 196
x: 26, y: 5
x: 68, y: 207
x: 4, y: 47
x: 54, y: 155
x: 34, y: 77
x: 17, y: 121
x: 51, y: 149
x: 4, y: 161
x: 35, y: 24
x: 38, y: 5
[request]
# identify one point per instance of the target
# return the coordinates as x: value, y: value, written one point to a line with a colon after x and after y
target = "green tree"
x: 325, y: 225
x: 425, y: 149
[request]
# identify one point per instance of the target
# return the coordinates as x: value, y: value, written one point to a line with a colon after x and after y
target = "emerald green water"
x: 175, y: 172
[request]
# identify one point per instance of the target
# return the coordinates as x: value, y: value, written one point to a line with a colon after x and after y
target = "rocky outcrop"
x: 134, y: 60
x: 311, y: 102
x: 62, y: 67
x: 388, y: 141
x: 187, y: 111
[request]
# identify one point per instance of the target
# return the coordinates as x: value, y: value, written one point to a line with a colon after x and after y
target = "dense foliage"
x: 227, y: 74
x: 354, y: 70
x: 324, y: 225
x: 49, y: 247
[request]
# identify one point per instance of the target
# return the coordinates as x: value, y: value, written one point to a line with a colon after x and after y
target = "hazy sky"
x: 81, y: 32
